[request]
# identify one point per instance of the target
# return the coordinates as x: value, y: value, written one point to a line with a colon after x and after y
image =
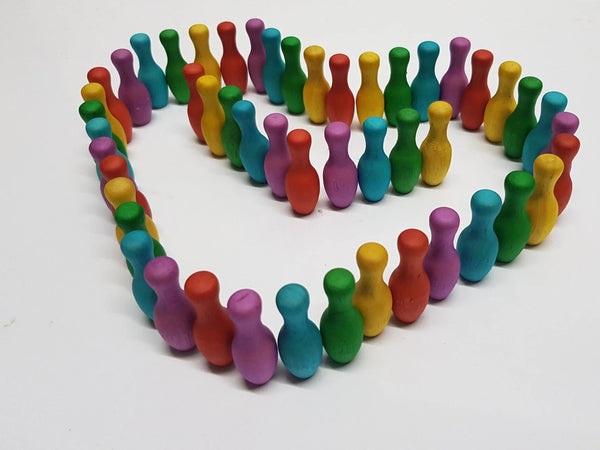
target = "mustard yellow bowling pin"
x: 542, y: 206
x: 120, y: 190
x: 199, y: 36
x: 213, y: 117
x: 314, y: 93
x: 503, y: 103
x: 369, y: 98
x: 372, y: 296
x: 436, y: 150
x: 95, y: 91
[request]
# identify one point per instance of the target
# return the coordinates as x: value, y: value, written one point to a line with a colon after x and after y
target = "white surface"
x: 511, y: 362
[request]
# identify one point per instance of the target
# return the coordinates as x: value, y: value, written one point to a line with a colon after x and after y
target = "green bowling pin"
x: 231, y: 135
x: 293, y: 78
x: 397, y: 93
x: 175, y: 62
x: 405, y: 156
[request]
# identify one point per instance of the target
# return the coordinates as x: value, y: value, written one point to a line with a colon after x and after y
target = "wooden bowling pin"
x: 96, y: 125
x: 565, y: 146
x: 442, y: 263
x: 397, y: 93
x: 213, y: 328
x: 477, y: 93
x: 175, y: 63
x: 341, y: 324
x: 316, y: 88
x: 253, y: 145
x: 149, y: 72
x: 425, y: 88
x: 477, y: 244
x: 277, y: 159
x: 405, y: 157
x: 409, y: 282
x: 233, y: 65
x: 340, y: 176
x: 372, y: 297
x: 455, y: 80
x: 436, y: 149
x: 340, y: 100
x: 369, y: 98
x: 299, y: 341
x: 293, y: 77
x: 253, y: 348
x: 503, y: 103
x: 374, y: 169
x: 563, y: 122
x: 101, y: 75
x: 302, y: 180
x: 95, y: 91
x: 274, y: 65
x: 102, y: 145
x: 213, y: 116
x: 199, y: 36
x: 231, y: 135
x: 173, y: 316
x: 257, y: 55
x: 132, y: 91
x: 542, y: 206
x: 195, y: 106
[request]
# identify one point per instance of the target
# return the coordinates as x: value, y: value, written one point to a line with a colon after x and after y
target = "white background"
x: 510, y: 362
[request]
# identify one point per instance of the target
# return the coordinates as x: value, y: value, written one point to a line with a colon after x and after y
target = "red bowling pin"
x: 233, y: 65
x: 340, y: 100
x: 195, y: 107
x: 565, y: 146
x: 477, y: 93
x: 302, y: 180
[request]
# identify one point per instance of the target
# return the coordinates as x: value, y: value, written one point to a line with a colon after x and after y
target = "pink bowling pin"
x: 277, y: 159
x: 233, y: 65
x: 455, y: 79
x: 442, y: 263
x: 563, y: 122
x: 195, y: 107
x: 132, y: 91
x: 340, y: 176
x: 173, y: 316
x: 257, y: 56
x: 100, y: 148
x: 254, y: 348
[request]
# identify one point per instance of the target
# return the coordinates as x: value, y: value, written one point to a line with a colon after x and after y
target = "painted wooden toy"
x: 477, y: 93
x: 293, y: 77
x: 455, y: 80
x: 316, y: 87
x: 302, y: 180
x: 503, y: 103
x: 174, y: 69
x: 195, y: 106
x: 397, y: 94
x: 340, y: 99
x: 340, y: 176
x: 436, y: 149
x: 149, y: 72
x: 374, y: 169
x: 369, y: 98
x: 565, y: 146
x: 405, y: 157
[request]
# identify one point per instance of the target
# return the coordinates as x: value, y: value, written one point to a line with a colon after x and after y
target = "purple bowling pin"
x: 257, y: 56
x: 173, y: 316
x: 442, y: 262
x: 254, y: 348
x: 455, y: 79
x: 132, y: 91
x: 100, y: 148
x: 340, y: 176
x: 277, y: 159
x: 563, y: 122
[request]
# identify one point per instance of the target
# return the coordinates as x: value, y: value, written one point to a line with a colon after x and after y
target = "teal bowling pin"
x: 253, y: 146
x: 175, y: 63
x: 374, y: 170
x: 397, y: 93
x: 293, y: 77
x: 477, y: 244
x: 522, y: 120
x: 512, y: 226
x: 299, y: 341
x: 405, y: 157
x: 149, y: 72
x: 274, y: 65
x: 425, y: 88
x: 96, y: 125
x: 538, y: 138
x: 231, y: 135
x: 138, y: 249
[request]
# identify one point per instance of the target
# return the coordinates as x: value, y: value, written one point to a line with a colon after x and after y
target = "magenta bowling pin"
x: 455, y: 79
x: 257, y: 55
x: 132, y: 91
x: 563, y: 122
x: 173, y: 315
x: 277, y: 159
x: 254, y: 348
x: 442, y: 263
x: 100, y: 148
x: 340, y: 176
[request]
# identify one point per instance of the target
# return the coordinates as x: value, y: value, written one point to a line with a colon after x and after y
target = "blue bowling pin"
x: 149, y: 72
x: 138, y: 248
x: 100, y: 127
x: 299, y: 340
x: 253, y: 146
x: 374, y: 169
x: 477, y: 245
x: 274, y: 65
x: 552, y: 103
x: 425, y: 88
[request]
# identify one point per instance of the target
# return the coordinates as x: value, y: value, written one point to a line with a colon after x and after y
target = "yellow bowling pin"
x: 369, y: 98
x: 95, y: 91
x: 372, y: 297
x: 213, y: 117
x: 120, y: 190
x: 199, y: 36
x: 436, y: 150
x: 503, y: 103
x: 315, y: 89
x: 542, y: 207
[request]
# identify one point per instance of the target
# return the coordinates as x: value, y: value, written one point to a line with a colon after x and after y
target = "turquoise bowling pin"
x: 173, y: 316
x: 253, y: 146
x: 397, y: 93
x: 138, y: 249
x: 253, y: 348
x: 512, y: 226
x: 299, y: 340
x: 539, y: 137
x: 425, y: 88
x: 374, y: 170
x: 293, y: 77
x: 278, y: 159
x: 477, y: 244
x: 455, y: 79
x: 340, y: 176
x: 100, y: 126
x: 274, y: 65
x: 149, y: 72
x: 405, y: 157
